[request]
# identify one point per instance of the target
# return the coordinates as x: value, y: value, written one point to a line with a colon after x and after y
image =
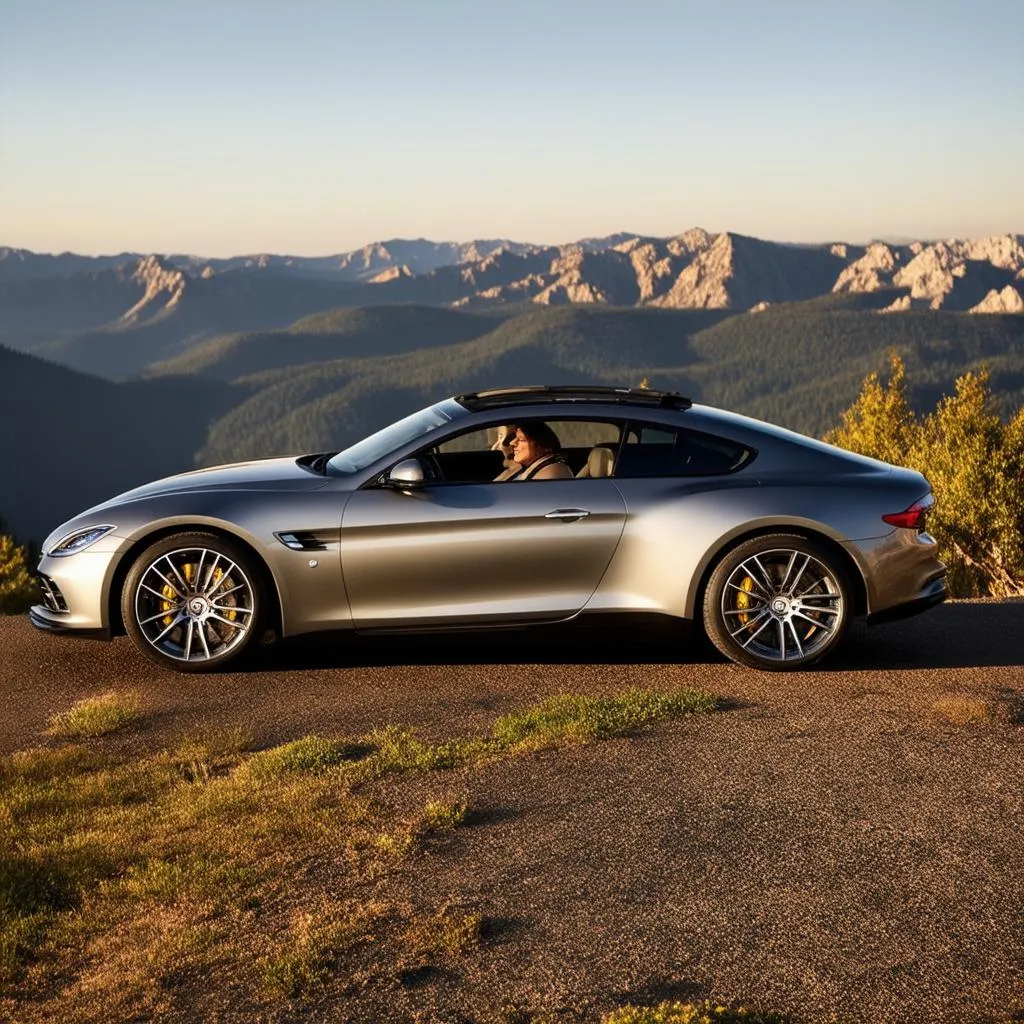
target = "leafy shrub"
x: 17, y: 590
x: 974, y: 462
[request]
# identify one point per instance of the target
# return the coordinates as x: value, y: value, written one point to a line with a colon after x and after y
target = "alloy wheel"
x: 194, y: 605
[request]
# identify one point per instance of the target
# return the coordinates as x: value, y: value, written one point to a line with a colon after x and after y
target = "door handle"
x: 568, y: 515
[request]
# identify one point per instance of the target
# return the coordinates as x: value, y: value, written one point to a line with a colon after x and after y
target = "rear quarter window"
x: 656, y: 450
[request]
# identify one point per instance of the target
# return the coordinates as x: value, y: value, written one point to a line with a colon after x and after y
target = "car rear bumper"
x: 932, y: 594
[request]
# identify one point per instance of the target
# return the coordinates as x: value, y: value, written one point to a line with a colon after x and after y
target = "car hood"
x: 262, y: 475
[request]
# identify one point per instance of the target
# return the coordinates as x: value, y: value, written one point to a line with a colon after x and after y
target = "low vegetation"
x: 96, y: 716
x: 139, y: 885
x: 1004, y: 708
x: 18, y: 592
x: 974, y: 460
x: 690, y: 1013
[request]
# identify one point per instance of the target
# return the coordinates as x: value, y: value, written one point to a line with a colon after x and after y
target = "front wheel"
x: 192, y: 602
x: 779, y: 602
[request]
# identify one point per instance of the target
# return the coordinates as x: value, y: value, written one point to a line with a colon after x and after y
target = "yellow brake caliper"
x: 188, y: 571
x: 743, y: 598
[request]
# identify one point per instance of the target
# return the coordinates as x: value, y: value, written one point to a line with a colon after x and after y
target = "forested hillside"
x: 798, y: 365
x: 331, y: 378
x: 71, y: 441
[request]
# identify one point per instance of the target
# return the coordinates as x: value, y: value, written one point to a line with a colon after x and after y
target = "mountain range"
x: 114, y: 315
x: 172, y: 362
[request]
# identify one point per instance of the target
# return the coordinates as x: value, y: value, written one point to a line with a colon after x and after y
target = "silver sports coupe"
x: 508, y: 507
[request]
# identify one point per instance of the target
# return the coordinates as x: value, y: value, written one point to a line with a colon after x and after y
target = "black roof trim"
x: 538, y: 393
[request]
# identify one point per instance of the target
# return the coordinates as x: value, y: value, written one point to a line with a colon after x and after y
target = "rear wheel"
x: 779, y: 602
x: 192, y: 602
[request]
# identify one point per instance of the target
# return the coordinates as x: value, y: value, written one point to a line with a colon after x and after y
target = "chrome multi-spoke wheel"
x: 192, y: 601
x: 777, y: 602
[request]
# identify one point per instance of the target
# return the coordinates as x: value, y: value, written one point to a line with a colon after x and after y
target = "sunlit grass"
x: 576, y: 719
x: 96, y: 716
x: 690, y: 1013
x: 305, y: 953
x: 129, y: 883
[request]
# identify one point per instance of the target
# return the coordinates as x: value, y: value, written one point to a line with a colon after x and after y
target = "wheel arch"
x: 129, y: 557
x: 695, y: 598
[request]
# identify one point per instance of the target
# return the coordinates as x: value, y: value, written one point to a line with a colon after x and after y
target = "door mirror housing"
x: 406, y: 475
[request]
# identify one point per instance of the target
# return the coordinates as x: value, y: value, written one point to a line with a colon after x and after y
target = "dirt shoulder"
x: 830, y: 845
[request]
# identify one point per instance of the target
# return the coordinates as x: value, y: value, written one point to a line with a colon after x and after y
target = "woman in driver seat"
x: 537, y: 450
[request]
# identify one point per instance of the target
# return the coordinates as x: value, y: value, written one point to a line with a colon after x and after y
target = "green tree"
x: 17, y: 590
x: 974, y: 462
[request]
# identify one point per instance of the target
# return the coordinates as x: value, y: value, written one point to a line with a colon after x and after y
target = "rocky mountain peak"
x: 163, y: 286
x: 1009, y: 300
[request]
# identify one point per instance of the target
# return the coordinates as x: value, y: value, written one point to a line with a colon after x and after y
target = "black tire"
x: 193, y: 602
x: 779, y: 602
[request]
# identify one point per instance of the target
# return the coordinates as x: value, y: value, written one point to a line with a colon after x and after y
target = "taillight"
x: 913, y: 517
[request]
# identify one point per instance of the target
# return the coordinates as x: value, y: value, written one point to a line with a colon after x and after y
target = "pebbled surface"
x: 827, y: 846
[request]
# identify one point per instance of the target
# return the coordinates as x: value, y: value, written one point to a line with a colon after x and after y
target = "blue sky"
x: 228, y: 126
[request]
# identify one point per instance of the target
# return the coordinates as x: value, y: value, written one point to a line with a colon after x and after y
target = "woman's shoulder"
x: 555, y: 470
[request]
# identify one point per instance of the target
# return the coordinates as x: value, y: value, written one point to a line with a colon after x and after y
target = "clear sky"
x: 314, y: 126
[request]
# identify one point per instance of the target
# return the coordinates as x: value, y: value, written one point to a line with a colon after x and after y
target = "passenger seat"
x: 599, y: 463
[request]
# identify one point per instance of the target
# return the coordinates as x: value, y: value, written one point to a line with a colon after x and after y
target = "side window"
x: 587, y: 447
x: 657, y: 450
x: 474, y: 441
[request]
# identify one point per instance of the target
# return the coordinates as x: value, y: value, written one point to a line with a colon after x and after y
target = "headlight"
x: 79, y: 540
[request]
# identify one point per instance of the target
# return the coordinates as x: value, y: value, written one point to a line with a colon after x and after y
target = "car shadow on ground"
x: 958, y: 634
x: 953, y: 635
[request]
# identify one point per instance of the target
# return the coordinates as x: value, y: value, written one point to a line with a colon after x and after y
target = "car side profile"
x: 773, y: 541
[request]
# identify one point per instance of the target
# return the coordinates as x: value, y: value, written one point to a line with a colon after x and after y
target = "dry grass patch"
x: 437, y: 818
x: 1006, y: 708
x: 690, y: 1013
x: 304, y: 956
x: 96, y: 716
x: 146, y: 883
x: 573, y: 719
x: 448, y: 933
x: 206, y: 751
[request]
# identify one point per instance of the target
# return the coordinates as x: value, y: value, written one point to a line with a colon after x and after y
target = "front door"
x: 477, y: 553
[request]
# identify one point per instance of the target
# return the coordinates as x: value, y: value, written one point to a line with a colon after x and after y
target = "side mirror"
x: 407, y: 475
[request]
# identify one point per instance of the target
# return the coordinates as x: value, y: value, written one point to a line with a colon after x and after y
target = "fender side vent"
x: 304, y: 540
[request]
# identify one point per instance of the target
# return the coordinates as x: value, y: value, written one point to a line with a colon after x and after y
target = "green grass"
x: 304, y: 955
x: 136, y: 884
x: 96, y: 716
x: 689, y: 1013
x: 574, y: 719
x: 311, y: 754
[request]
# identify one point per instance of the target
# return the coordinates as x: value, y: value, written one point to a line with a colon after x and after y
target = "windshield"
x: 366, y: 452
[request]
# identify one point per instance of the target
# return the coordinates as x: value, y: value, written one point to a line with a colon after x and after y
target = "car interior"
x: 593, y: 450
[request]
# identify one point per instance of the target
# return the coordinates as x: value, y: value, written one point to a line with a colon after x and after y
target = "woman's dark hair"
x: 540, y: 434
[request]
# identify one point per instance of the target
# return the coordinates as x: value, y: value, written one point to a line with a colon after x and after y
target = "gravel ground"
x: 827, y: 846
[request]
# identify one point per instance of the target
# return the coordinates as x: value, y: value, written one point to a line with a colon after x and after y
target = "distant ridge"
x: 117, y: 315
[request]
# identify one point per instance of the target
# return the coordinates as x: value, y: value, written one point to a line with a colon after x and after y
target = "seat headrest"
x: 599, y: 462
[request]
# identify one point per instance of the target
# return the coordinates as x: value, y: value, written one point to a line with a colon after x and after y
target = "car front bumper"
x: 75, y: 589
x: 49, y: 622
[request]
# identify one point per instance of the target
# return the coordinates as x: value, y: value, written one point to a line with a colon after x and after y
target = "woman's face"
x: 525, y: 450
